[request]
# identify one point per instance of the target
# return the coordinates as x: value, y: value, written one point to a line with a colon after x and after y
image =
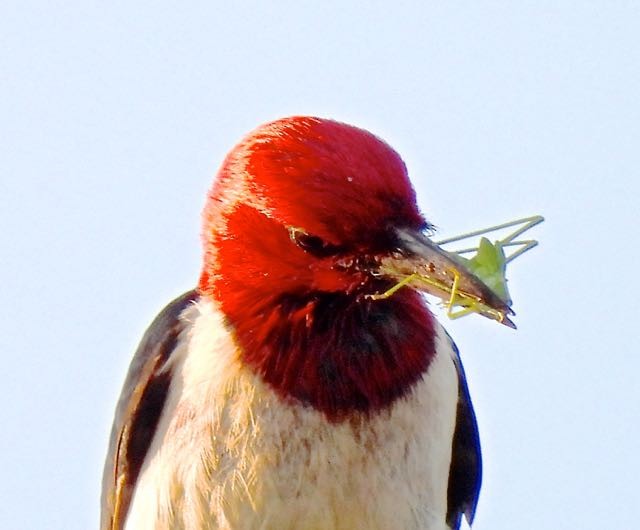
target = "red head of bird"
x: 295, y: 227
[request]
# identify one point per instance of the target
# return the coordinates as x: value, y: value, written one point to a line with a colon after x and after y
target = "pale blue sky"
x: 114, y: 117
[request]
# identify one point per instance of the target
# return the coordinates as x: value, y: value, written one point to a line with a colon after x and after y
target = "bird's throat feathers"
x: 335, y: 352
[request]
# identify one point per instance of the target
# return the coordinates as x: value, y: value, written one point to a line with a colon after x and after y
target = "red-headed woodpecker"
x: 280, y: 394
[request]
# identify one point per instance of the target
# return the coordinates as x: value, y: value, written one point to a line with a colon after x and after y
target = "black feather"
x: 138, y: 412
x: 465, y: 473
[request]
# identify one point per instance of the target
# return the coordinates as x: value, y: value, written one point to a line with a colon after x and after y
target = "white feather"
x: 230, y: 454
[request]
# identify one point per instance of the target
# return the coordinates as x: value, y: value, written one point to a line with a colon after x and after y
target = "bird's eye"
x: 313, y: 244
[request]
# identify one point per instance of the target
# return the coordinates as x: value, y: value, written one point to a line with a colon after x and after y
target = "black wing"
x: 465, y: 474
x: 138, y: 411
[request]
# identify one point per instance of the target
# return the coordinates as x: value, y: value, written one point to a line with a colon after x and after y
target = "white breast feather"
x: 230, y: 454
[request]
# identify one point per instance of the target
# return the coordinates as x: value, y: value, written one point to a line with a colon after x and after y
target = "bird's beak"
x: 424, y: 266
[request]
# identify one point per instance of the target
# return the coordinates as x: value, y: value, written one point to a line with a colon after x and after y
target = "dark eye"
x: 313, y: 244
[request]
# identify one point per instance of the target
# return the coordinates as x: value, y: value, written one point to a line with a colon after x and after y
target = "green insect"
x: 490, y: 265
x: 487, y: 264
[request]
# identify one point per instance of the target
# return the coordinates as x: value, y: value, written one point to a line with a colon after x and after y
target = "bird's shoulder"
x: 139, y: 408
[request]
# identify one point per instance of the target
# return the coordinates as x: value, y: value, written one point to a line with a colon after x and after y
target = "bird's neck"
x: 335, y: 352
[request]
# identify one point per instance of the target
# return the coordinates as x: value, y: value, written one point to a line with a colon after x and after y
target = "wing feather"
x: 465, y: 474
x: 138, y: 411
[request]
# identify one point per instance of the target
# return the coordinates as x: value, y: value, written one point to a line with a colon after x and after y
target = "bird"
x: 286, y: 390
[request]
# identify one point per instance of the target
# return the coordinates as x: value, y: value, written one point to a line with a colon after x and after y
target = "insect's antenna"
x: 529, y: 223
x: 526, y: 222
